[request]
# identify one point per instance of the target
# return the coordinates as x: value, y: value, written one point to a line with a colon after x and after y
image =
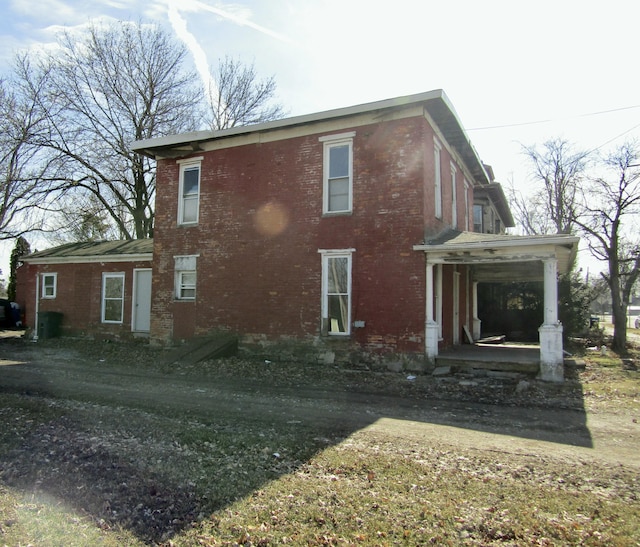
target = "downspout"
x: 37, y: 308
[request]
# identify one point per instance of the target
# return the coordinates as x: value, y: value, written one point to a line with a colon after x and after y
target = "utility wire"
x: 556, y: 119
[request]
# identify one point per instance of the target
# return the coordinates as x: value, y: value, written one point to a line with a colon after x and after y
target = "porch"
x: 498, y: 258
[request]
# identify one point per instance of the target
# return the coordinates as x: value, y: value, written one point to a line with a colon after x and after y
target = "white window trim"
x: 180, y: 285
x: 454, y: 196
x: 437, y: 167
x: 329, y: 141
x: 439, y: 315
x: 185, y: 164
x: 55, y: 286
x: 326, y: 255
x: 105, y: 276
x: 466, y: 204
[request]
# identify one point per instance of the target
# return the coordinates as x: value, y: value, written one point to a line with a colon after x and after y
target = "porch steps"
x: 467, y: 365
x: 206, y: 347
x: 491, y: 357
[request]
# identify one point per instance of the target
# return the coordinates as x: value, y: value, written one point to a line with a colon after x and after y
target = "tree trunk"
x: 619, y: 309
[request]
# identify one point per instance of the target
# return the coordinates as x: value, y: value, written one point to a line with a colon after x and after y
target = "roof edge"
x: 145, y: 146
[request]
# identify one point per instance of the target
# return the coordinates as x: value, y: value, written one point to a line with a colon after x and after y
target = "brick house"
x: 342, y: 231
x: 336, y: 229
x: 100, y: 289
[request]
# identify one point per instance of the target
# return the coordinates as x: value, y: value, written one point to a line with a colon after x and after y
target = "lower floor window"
x: 336, y: 292
x: 185, y: 279
x: 112, y: 297
x: 186, y: 285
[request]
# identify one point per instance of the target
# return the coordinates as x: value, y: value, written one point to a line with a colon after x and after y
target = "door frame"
x: 134, y: 299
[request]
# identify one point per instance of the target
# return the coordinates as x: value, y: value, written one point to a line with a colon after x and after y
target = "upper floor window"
x: 467, y: 190
x: 49, y: 285
x: 437, y: 177
x: 454, y: 197
x: 189, y: 190
x: 338, y: 173
x: 478, y: 218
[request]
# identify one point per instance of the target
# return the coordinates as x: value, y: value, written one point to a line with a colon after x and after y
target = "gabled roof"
x: 94, y: 251
x: 435, y: 103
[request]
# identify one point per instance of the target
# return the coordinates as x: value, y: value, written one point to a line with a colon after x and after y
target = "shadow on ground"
x: 153, y: 451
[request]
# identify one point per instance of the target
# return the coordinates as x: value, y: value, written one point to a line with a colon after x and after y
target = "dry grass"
x: 77, y: 472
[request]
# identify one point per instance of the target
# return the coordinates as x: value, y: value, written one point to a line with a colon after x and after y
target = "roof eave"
x: 563, y: 240
x: 71, y: 259
x: 435, y: 102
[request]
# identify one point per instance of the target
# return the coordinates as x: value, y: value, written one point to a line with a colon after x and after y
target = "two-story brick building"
x: 347, y: 230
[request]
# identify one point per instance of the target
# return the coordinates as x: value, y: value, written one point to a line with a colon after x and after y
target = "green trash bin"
x: 49, y: 324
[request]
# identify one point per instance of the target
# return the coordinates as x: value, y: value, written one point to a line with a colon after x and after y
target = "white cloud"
x: 231, y: 12
x: 179, y: 25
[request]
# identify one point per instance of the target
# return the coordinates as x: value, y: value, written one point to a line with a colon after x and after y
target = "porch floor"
x: 500, y: 357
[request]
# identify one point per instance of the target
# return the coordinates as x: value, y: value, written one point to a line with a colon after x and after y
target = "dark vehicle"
x: 9, y: 314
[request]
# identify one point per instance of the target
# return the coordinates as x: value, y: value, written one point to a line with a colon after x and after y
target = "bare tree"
x: 105, y: 89
x: 609, y: 206
x: 559, y: 169
x: 237, y: 97
x: 21, y: 165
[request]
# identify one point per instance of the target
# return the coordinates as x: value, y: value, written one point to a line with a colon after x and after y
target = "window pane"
x: 113, y: 287
x: 113, y: 310
x: 191, y: 180
x: 190, y: 209
x: 339, y: 161
x: 338, y: 275
x: 187, y: 293
x: 338, y: 313
x: 189, y: 279
x: 339, y: 195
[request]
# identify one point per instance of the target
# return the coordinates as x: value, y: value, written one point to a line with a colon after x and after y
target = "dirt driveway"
x: 147, y: 447
x: 502, y: 414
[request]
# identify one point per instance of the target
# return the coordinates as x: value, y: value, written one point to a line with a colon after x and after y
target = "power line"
x: 556, y: 119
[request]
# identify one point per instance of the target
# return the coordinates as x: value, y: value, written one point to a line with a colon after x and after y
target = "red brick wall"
x: 78, y: 296
x: 261, y: 226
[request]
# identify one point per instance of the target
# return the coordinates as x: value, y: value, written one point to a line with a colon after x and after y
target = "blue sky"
x: 517, y: 72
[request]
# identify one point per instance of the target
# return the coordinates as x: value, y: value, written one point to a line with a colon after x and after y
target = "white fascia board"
x: 89, y: 259
x: 499, y: 244
x: 198, y: 136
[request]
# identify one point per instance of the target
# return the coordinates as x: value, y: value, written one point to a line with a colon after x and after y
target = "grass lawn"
x: 80, y: 472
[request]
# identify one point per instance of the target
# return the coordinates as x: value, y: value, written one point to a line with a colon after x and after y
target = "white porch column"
x: 476, y: 321
x: 431, y: 327
x: 551, y: 350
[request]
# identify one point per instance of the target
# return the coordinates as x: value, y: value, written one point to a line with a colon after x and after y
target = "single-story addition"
x: 101, y: 289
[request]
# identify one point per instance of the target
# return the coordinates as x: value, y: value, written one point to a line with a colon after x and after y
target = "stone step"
x: 201, y: 348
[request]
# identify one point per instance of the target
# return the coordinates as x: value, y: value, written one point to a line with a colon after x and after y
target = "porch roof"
x: 501, y: 257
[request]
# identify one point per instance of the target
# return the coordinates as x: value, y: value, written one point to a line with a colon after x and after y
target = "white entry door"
x: 141, y: 321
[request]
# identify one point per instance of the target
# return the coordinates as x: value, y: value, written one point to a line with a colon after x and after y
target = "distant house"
x: 346, y: 231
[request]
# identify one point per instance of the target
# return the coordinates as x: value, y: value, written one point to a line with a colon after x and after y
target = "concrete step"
x: 465, y: 364
x: 201, y: 348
